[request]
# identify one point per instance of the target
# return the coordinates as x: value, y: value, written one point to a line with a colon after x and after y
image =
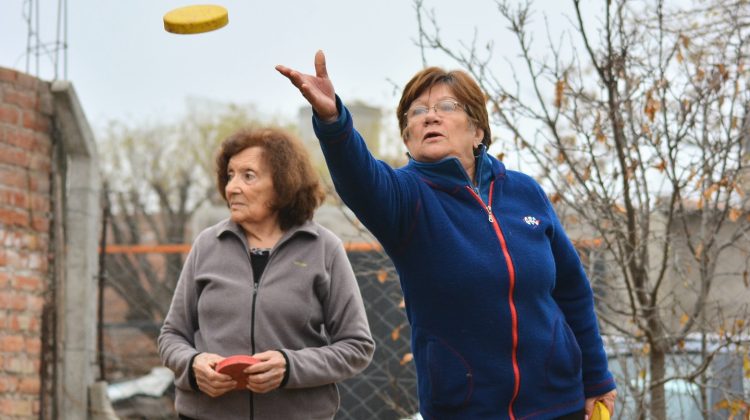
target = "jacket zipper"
x: 256, y: 285
x: 252, y: 332
x: 252, y: 324
x: 511, y: 289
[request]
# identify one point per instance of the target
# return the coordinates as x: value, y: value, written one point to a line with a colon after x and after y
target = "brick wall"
x: 25, y: 219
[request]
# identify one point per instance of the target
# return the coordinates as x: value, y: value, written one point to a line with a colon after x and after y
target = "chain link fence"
x: 387, y: 389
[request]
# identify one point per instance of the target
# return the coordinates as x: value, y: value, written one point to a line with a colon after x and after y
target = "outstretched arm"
x: 317, y: 89
x: 373, y: 190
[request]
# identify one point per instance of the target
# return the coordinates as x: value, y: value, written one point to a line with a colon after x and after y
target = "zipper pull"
x: 489, y: 213
x: 255, y: 287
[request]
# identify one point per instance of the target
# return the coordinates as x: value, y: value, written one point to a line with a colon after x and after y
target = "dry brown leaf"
x: 685, y: 41
x: 571, y: 178
x: 408, y: 357
x: 723, y: 71
x: 598, y: 132
x: 382, y: 276
x: 651, y: 108
x: 734, y: 214
x: 722, y: 405
x: 600, y: 137
x: 686, y: 105
x: 710, y: 191
x: 699, y: 74
x: 559, y: 91
x: 396, y: 333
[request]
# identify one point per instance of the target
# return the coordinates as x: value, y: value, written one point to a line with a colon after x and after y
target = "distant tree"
x: 638, y: 122
x: 157, y: 176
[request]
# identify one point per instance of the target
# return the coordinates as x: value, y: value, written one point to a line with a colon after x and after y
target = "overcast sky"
x: 125, y: 66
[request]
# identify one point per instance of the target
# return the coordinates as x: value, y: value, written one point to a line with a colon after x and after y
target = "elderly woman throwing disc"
x: 501, y: 312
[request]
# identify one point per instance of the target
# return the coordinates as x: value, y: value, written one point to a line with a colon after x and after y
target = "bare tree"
x: 638, y: 120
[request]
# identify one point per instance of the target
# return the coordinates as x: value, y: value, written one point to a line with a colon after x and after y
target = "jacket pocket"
x: 563, y: 364
x: 450, y: 378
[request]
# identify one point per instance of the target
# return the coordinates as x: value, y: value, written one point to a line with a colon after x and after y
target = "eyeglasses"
x: 444, y: 107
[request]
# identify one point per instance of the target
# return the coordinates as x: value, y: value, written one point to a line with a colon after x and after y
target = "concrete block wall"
x: 26, y: 109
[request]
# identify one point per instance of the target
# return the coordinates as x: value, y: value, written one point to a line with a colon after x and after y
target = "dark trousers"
x: 578, y: 415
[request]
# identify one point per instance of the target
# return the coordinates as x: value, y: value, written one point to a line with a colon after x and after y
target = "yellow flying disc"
x: 195, y: 19
x: 600, y: 412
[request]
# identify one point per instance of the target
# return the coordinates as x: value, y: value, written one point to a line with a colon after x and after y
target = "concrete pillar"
x: 77, y: 285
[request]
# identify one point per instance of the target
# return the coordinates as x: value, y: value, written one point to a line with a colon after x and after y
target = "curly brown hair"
x: 467, y: 92
x: 295, y: 182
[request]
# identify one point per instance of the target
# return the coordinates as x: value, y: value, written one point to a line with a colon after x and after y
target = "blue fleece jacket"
x: 501, y: 312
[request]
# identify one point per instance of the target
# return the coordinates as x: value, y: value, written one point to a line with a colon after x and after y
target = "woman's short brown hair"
x: 467, y: 92
x: 297, y: 185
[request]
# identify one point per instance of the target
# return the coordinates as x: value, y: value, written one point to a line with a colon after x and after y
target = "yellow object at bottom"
x: 600, y: 412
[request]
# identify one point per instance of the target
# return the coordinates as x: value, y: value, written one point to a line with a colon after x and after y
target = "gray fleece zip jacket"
x: 307, y: 304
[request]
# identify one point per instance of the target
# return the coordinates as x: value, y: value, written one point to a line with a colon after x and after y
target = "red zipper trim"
x: 511, y: 302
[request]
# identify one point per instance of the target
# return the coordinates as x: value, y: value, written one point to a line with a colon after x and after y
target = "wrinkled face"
x: 249, y: 191
x: 440, y: 132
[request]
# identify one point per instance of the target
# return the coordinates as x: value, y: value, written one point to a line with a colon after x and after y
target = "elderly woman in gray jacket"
x: 268, y: 282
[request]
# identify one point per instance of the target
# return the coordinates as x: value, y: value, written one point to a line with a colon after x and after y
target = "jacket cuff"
x: 333, y: 128
x: 191, y: 374
x: 285, y: 379
x: 599, y: 388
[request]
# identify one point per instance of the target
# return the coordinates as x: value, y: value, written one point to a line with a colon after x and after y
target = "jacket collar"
x: 227, y: 226
x: 448, y: 173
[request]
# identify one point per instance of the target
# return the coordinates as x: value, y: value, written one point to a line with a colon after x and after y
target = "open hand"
x: 317, y: 89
